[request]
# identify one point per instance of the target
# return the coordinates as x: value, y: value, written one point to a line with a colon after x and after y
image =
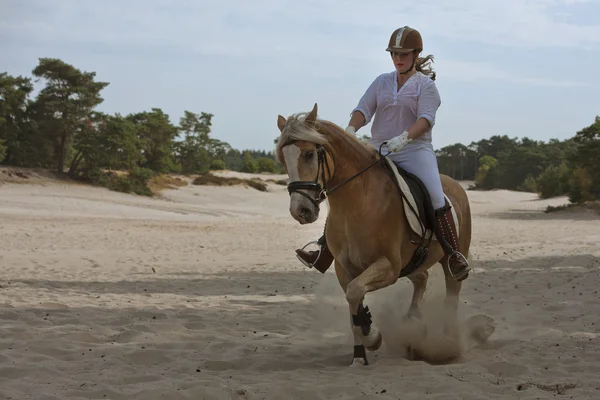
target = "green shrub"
x: 580, y: 184
x: 528, y: 185
x: 486, y: 174
x: 217, y: 165
x: 213, y: 180
x: 258, y: 185
x: 135, y: 181
x: 554, y: 181
x: 266, y: 164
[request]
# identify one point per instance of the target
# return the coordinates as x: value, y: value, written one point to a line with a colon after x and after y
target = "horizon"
x: 503, y: 68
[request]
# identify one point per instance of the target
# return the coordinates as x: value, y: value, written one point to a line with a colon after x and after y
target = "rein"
x: 323, y: 192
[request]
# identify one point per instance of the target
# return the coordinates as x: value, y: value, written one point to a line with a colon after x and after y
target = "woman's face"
x: 403, y: 61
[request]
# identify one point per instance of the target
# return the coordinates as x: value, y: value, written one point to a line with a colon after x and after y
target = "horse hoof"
x: 360, y: 356
x: 374, y: 340
x: 413, y: 314
x: 359, y: 362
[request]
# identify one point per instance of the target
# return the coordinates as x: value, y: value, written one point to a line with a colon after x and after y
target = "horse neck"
x: 358, y: 190
x: 369, y: 205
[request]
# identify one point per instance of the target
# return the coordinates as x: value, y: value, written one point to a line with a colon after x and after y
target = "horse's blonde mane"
x: 320, y: 131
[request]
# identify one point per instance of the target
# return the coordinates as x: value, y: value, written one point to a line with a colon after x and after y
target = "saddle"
x: 419, y: 212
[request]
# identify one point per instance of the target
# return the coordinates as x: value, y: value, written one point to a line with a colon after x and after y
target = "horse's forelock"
x: 297, y: 128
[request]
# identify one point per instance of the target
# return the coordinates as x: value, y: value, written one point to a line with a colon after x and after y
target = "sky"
x: 524, y: 68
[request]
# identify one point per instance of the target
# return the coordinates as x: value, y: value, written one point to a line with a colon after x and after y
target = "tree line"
x: 554, y: 168
x: 61, y: 129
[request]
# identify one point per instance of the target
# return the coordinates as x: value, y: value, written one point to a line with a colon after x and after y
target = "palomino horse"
x: 366, y: 230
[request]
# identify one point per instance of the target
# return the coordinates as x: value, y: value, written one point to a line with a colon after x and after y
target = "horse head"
x: 301, y: 149
x: 317, y: 156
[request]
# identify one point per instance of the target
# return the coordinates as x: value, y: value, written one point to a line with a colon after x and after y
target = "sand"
x: 198, y: 295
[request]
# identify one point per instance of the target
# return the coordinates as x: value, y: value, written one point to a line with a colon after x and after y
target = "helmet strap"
x: 411, y: 66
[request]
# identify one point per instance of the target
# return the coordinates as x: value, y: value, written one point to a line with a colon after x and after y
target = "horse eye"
x: 309, y: 155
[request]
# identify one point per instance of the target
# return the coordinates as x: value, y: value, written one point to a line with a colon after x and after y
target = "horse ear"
x: 312, y: 116
x: 280, y: 122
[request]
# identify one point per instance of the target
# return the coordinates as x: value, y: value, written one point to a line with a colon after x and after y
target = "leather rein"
x: 322, y: 166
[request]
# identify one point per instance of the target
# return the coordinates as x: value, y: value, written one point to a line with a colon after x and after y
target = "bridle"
x: 322, y: 191
x: 322, y: 166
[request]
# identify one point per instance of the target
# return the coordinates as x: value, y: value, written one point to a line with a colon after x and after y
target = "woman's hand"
x: 397, y: 143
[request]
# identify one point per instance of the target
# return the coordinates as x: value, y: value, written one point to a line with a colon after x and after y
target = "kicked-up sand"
x: 197, y: 294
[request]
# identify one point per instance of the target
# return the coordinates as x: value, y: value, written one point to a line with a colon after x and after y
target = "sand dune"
x: 198, y: 295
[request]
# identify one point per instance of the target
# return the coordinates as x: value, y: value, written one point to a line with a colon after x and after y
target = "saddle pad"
x: 412, y: 219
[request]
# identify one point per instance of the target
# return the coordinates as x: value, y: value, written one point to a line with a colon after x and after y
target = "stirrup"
x: 462, y: 274
x: 306, y: 263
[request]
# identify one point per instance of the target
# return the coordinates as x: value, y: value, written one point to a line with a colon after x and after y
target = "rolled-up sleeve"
x: 429, y: 102
x: 368, y: 102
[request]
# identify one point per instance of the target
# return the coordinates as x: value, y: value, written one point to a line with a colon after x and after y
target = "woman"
x: 403, y: 106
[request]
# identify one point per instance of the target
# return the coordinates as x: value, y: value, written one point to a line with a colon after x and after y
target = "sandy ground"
x: 198, y: 295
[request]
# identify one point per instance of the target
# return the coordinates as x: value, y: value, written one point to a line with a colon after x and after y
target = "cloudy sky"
x: 516, y: 67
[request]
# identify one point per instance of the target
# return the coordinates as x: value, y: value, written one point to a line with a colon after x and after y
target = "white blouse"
x: 396, y: 110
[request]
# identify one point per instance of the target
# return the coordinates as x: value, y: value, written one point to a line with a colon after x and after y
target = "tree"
x: 586, y: 161
x: 65, y: 103
x: 156, y: 135
x: 197, y: 151
x: 248, y: 163
x: 554, y: 181
x: 218, y: 149
x: 495, y: 146
x: 17, y: 132
x: 485, y: 173
x: 453, y: 160
x: 516, y: 164
x: 111, y: 142
x: 233, y: 160
x: 196, y: 126
x: 266, y: 164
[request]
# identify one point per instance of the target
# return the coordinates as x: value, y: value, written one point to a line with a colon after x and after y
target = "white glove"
x: 397, y: 143
x: 350, y: 129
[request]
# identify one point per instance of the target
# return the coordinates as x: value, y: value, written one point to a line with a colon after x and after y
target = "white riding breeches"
x: 422, y: 162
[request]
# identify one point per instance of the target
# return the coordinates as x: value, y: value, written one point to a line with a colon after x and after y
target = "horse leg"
x: 453, y: 288
x: 360, y: 355
x: 378, y: 275
x: 419, y: 281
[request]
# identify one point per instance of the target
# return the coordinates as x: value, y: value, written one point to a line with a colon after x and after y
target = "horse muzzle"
x: 305, y: 208
x: 303, y: 214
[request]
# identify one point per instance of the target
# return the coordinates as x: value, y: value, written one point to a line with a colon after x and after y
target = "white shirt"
x: 396, y: 110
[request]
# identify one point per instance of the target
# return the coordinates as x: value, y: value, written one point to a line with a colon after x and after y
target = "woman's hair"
x: 423, y: 65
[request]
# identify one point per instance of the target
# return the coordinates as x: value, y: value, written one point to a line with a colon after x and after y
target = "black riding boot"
x: 447, y: 236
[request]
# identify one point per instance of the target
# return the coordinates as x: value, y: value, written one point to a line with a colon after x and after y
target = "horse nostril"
x: 304, y: 212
